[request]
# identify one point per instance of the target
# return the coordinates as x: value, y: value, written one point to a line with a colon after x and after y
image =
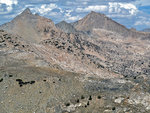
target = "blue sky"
x: 131, y: 13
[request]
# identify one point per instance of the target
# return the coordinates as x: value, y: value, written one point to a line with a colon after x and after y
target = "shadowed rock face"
x: 43, y: 69
x: 66, y: 27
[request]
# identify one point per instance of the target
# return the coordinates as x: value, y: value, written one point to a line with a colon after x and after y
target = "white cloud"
x: 44, y: 9
x: 68, y: 13
x: 142, y: 21
x: 147, y: 23
x: 125, y: 8
x: 8, y: 8
x: 112, y: 7
x: 92, y: 8
x: 73, y: 18
x: 47, y: 8
x: 142, y: 2
x: 9, y: 2
x: 69, y: 17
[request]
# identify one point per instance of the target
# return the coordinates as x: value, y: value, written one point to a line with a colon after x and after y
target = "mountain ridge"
x: 101, y: 21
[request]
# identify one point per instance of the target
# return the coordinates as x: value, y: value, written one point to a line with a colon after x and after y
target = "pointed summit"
x: 95, y: 14
x: 26, y: 11
x: 96, y: 20
x: 66, y: 27
x: 64, y: 22
x: 29, y: 26
x: 92, y: 12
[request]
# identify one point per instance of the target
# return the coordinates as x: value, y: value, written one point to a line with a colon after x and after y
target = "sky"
x: 131, y: 13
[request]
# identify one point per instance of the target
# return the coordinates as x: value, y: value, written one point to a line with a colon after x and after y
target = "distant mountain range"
x: 29, y: 26
x: 89, y: 38
x: 146, y: 30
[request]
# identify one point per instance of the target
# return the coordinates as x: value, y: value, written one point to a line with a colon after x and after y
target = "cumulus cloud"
x: 9, y: 2
x: 47, y: 8
x: 112, y: 7
x: 125, y: 8
x: 8, y: 6
x: 142, y: 21
x: 44, y: 8
x: 73, y: 18
x: 142, y: 2
x: 68, y: 16
x: 92, y: 8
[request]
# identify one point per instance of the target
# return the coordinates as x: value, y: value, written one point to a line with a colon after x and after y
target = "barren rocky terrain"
x: 81, y: 67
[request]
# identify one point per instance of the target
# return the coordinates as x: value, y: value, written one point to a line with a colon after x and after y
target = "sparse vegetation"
x: 90, y: 98
x: 88, y: 103
x: 82, y: 97
x: 99, y: 97
x: 67, y: 104
x: 21, y: 83
x: 1, y: 79
x: 114, y: 108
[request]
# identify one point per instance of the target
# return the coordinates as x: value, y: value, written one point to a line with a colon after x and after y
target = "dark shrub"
x: 82, y: 97
x: 32, y: 82
x: 90, y: 98
x: 67, y: 104
x: 88, y: 103
x: 99, y: 97
x: 1, y: 79
x: 10, y: 75
x: 78, y: 101
x: 113, y: 108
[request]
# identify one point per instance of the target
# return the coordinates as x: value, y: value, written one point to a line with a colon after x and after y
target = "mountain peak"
x: 93, y: 13
x: 27, y: 11
x: 64, y: 22
x: 66, y: 27
x: 96, y: 20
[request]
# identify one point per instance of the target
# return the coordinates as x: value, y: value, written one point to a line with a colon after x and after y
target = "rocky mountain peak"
x: 29, y: 26
x: 63, y: 22
x: 95, y: 15
x: 66, y: 27
x: 26, y: 11
x: 96, y: 20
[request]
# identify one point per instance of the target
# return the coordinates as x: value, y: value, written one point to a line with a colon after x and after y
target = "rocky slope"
x: 51, y: 71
